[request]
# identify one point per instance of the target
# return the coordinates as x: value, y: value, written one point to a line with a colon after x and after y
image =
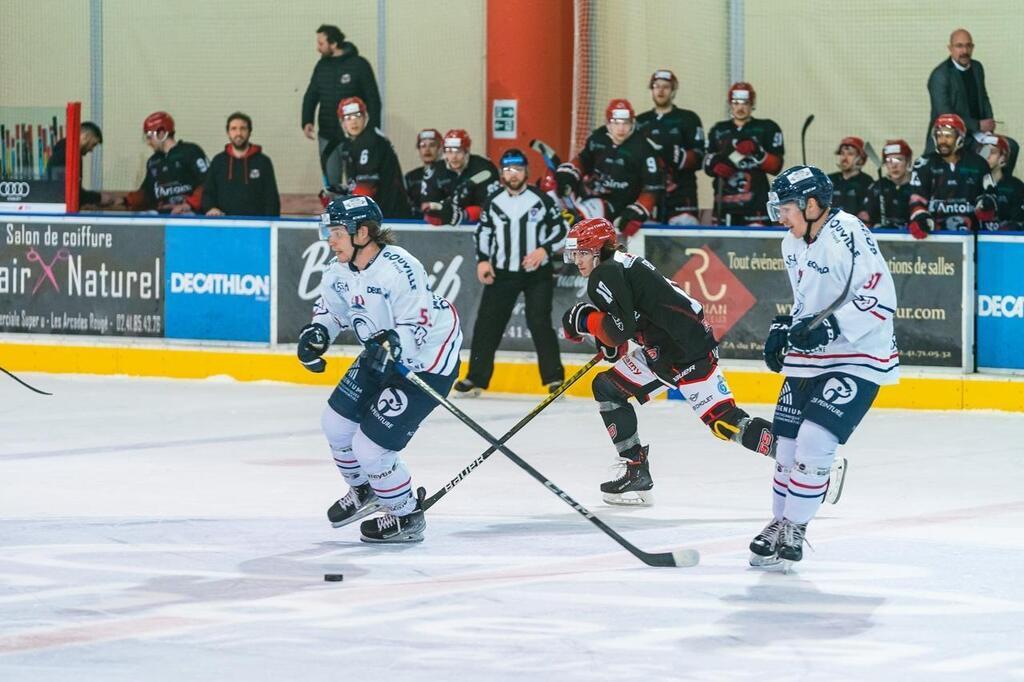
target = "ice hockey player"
x: 678, y: 136
x: 365, y: 163
x: 835, y: 350
x: 850, y: 184
x: 428, y: 146
x: 630, y: 300
x: 174, y: 173
x: 453, y: 192
x: 1008, y: 211
x: 741, y: 153
x: 380, y: 292
x: 887, y: 203
x: 616, y: 174
x: 947, y: 185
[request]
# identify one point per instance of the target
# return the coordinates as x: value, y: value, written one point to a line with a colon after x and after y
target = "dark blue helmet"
x: 512, y: 157
x: 798, y: 184
x: 350, y: 212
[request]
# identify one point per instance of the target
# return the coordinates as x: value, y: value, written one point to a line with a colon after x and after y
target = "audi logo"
x: 14, y: 190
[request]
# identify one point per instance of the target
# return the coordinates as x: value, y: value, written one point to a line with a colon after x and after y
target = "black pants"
x: 496, y: 306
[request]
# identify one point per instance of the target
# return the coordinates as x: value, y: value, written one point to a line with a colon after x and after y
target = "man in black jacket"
x: 340, y: 73
x: 241, y: 178
x: 957, y: 86
x: 90, y: 137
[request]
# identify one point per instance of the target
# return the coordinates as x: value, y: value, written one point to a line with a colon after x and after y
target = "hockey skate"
x: 394, y: 529
x: 464, y: 388
x: 764, y: 547
x: 791, y: 543
x: 359, y: 502
x: 633, y: 487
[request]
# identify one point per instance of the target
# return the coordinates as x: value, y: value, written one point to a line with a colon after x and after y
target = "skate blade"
x: 837, y: 478
x: 365, y: 511
x: 401, y: 538
x: 766, y: 562
x: 633, y: 498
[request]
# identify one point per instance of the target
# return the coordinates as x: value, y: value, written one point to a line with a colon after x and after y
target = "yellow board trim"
x: 945, y: 392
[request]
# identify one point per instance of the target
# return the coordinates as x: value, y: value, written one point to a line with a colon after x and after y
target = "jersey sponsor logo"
x: 839, y: 390
x: 363, y: 327
x: 374, y: 290
x: 164, y: 191
x: 950, y: 206
x: 221, y: 284
x: 402, y: 265
x: 786, y: 396
x: 1000, y: 306
x: 820, y: 269
x: 723, y: 387
x: 392, y: 402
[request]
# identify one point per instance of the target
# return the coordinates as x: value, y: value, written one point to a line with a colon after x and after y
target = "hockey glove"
x: 632, y: 219
x: 613, y: 353
x: 567, y: 178
x: 985, y: 209
x: 921, y: 224
x: 574, y: 322
x: 775, y: 344
x: 805, y: 339
x: 314, y: 340
x: 445, y: 213
x: 721, y: 167
x: 748, y: 147
x: 382, y: 351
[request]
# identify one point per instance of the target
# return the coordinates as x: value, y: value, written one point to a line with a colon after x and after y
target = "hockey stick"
x: 23, y: 383
x: 836, y: 304
x: 870, y: 151
x: 552, y: 161
x: 681, y: 557
x: 429, y: 502
x: 803, y: 137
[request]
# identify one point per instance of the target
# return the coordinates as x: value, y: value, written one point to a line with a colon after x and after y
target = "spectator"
x: 948, y: 184
x: 850, y: 184
x: 615, y: 176
x: 340, y: 73
x: 1009, y: 191
x: 520, y: 227
x: 457, y: 186
x: 680, y: 136
x: 89, y: 138
x: 366, y: 164
x: 741, y: 153
x: 957, y: 86
x: 428, y: 146
x: 887, y: 203
x: 175, y: 173
x: 249, y: 189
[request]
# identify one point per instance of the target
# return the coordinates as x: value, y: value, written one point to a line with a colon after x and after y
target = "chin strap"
x: 810, y: 222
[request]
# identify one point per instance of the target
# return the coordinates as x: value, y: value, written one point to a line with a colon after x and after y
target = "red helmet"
x: 351, y: 105
x: 897, y: 148
x: 619, y: 109
x: 589, y: 235
x: 158, y: 121
x: 950, y: 122
x: 664, y: 75
x: 457, y: 138
x: 742, y: 92
x: 993, y: 141
x: 428, y: 134
x: 857, y: 144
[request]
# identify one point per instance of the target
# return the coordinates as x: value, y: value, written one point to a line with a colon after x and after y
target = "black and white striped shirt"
x: 513, y: 225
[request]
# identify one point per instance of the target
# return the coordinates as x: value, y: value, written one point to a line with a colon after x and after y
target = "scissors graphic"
x: 34, y: 257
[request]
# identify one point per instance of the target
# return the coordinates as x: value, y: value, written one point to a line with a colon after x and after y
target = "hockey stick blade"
x: 547, y: 152
x: 24, y: 383
x: 682, y: 558
x: 803, y: 137
x: 873, y: 157
x: 429, y: 502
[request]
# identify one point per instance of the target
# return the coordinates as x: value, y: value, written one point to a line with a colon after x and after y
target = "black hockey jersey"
x: 745, y: 191
x: 441, y: 184
x: 171, y: 179
x: 644, y: 306
x: 678, y: 136
x: 620, y: 174
x: 849, y: 193
x: 1009, y: 192
x: 949, y: 192
x: 886, y: 204
x: 414, y: 189
x: 371, y: 168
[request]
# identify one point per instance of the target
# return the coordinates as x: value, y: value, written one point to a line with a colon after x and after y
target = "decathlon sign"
x: 218, y: 283
x: 1000, y: 306
x: 1000, y: 303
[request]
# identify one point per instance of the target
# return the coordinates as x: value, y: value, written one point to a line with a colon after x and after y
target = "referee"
x: 519, y: 228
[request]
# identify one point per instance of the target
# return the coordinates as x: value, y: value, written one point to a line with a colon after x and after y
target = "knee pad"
x: 608, y: 393
x: 375, y: 460
x: 815, y: 449
x: 338, y: 430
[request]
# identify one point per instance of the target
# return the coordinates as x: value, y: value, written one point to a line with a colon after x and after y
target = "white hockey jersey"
x: 392, y: 293
x: 866, y: 346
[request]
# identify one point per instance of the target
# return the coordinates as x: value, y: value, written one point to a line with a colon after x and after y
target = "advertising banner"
x: 742, y: 283
x: 218, y: 283
x: 1000, y: 307
x: 81, y: 278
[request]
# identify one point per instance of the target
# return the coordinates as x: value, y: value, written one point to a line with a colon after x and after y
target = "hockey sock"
x: 785, y: 451
x: 620, y: 420
x: 808, y: 479
x: 339, y: 432
x: 388, y: 475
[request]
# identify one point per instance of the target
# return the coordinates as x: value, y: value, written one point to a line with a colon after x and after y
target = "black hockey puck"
x: 333, y: 577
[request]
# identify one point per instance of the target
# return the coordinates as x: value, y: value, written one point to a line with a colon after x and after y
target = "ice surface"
x: 176, y: 530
